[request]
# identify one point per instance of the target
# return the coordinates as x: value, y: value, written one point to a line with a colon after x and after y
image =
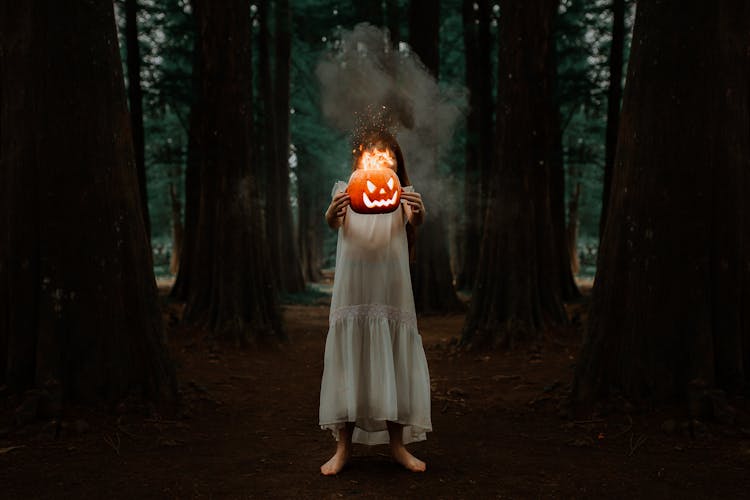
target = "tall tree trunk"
x: 671, y: 299
x: 486, y: 125
x: 572, y: 230
x: 178, y: 230
x: 135, y: 98
x: 432, y: 280
x: 88, y: 319
x: 269, y: 136
x: 480, y: 151
x: 370, y: 11
x: 517, y: 291
x: 290, y: 272
x: 614, y: 96
x: 393, y: 21
x: 180, y: 289
x: 559, y: 247
x: 472, y: 172
x: 232, y: 291
x: 309, y: 233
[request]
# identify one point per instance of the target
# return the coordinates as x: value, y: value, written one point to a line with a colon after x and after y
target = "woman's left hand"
x: 415, y: 206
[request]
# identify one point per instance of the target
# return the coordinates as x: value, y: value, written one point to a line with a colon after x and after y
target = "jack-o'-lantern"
x: 374, y: 187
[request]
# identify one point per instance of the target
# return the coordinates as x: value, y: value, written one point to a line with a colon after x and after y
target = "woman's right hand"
x: 337, y: 209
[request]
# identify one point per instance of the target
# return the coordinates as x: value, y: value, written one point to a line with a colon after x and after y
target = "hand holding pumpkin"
x: 337, y: 209
x: 414, y: 207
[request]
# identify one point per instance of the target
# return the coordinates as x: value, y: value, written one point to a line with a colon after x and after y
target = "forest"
x: 581, y: 277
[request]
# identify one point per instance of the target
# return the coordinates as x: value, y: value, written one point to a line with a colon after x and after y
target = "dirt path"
x: 251, y: 432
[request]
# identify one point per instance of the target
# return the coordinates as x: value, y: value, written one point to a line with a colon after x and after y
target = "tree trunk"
x: 290, y: 272
x: 424, y: 32
x: 614, y: 96
x: 78, y: 299
x: 559, y: 247
x: 181, y: 287
x: 486, y: 125
x: 472, y: 172
x: 572, y: 230
x: 178, y: 230
x: 670, y: 303
x: 310, y: 217
x: 232, y: 291
x: 393, y: 21
x: 135, y: 98
x: 517, y: 291
x: 432, y: 280
x: 370, y: 11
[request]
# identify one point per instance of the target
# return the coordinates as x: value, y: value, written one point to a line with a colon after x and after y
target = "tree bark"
x: 518, y: 288
x: 393, y: 21
x: 614, y: 96
x: 232, y: 291
x: 432, y: 280
x: 178, y: 231
x: 180, y: 289
x: 559, y: 248
x: 135, y: 98
x: 310, y: 217
x: 290, y: 272
x: 471, y: 222
x: 78, y: 299
x: 572, y: 230
x: 424, y: 32
x: 670, y: 303
x: 370, y: 11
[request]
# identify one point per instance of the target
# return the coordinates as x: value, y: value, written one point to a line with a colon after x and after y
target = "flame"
x: 376, y: 158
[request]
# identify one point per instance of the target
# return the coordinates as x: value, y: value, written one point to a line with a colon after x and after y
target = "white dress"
x: 375, y: 366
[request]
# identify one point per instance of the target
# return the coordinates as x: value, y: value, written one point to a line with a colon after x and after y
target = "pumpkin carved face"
x: 374, y: 187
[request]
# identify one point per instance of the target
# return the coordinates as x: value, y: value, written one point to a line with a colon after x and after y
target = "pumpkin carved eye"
x: 371, y: 186
x: 390, y: 183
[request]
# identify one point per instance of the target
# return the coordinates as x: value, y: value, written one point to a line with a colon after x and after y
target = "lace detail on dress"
x: 374, y: 310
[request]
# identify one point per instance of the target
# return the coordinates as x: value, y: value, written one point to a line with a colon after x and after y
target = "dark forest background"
x: 187, y: 140
x: 318, y: 154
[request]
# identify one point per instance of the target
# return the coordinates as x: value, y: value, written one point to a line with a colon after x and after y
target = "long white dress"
x: 375, y: 366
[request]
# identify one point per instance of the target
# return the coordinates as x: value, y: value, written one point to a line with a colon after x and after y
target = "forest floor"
x: 249, y: 430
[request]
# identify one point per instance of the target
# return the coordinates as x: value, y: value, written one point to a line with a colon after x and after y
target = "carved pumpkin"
x: 374, y: 190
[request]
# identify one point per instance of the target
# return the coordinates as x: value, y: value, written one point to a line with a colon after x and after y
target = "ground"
x: 249, y: 430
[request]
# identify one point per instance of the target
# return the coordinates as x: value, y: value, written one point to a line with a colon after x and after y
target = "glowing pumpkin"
x: 374, y: 190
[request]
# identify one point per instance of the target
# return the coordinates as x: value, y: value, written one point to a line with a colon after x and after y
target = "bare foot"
x: 402, y: 456
x: 336, y: 463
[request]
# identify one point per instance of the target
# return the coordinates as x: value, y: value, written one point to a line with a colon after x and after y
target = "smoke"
x: 367, y: 84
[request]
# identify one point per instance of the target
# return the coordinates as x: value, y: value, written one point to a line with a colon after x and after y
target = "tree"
x: 274, y: 90
x: 518, y: 287
x: 560, y: 248
x: 231, y: 288
x: 78, y: 300
x: 135, y: 98
x: 614, y: 96
x: 370, y: 11
x: 393, y: 20
x: 476, y: 27
x: 432, y: 280
x: 670, y: 305
x: 181, y: 288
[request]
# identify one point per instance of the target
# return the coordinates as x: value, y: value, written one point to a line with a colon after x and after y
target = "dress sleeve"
x: 338, y: 187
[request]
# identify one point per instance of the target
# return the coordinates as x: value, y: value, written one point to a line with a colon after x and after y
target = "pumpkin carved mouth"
x: 380, y: 203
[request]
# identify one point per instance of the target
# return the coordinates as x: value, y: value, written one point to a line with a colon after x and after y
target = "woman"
x: 376, y: 386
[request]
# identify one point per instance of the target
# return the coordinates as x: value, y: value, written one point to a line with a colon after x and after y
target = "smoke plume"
x: 366, y: 84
